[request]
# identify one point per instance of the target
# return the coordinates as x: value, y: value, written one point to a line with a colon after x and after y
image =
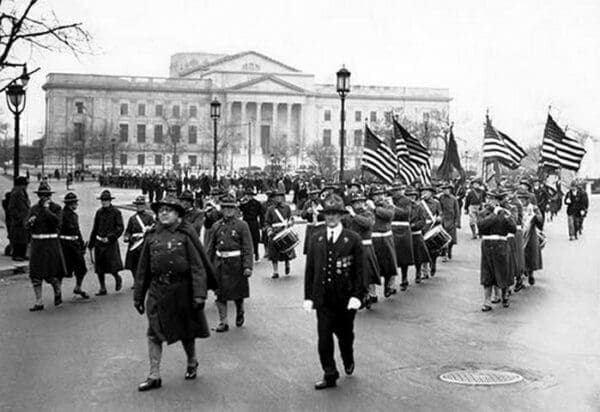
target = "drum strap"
x: 428, y: 210
x: 279, y: 216
x: 144, y: 228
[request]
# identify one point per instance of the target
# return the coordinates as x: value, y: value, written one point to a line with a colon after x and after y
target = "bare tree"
x: 323, y: 157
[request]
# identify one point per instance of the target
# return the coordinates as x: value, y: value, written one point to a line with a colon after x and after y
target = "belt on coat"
x: 229, y: 253
x: 417, y: 232
x: 65, y: 237
x: 367, y: 242
x: 279, y: 225
x: 510, y: 235
x: 45, y: 236
x: 493, y: 237
x: 316, y: 224
x: 400, y: 223
x: 382, y: 234
x: 519, y: 227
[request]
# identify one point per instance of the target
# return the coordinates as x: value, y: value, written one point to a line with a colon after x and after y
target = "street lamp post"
x: 15, y: 99
x: 215, y: 113
x: 343, y: 88
x: 273, y: 168
x: 113, y: 142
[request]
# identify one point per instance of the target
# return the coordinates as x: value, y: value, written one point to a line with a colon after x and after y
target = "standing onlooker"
x: 577, y: 205
x: 18, y: 209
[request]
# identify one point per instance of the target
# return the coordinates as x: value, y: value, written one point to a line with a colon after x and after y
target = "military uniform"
x: 433, y: 212
x: 450, y: 214
x: 403, y: 242
x: 252, y: 214
x: 417, y: 225
x: 383, y: 243
x: 137, y: 226
x: 18, y: 209
x: 277, y: 219
x: 73, y: 246
x: 474, y: 200
x: 314, y: 220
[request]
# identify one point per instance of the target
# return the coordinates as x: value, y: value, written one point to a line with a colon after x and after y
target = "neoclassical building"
x: 266, y: 107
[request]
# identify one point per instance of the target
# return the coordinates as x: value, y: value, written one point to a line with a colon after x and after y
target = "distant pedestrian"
x: 577, y: 205
x: 108, y: 227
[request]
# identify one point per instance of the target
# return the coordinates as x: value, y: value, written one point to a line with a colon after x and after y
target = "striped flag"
x: 413, y: 157
x: 498, y: 146
x: 378, y: 157
x: 560, y: 150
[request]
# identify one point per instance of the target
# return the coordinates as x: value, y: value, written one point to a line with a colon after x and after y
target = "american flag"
x: 498, y: 146
x: 378, y: 157
x: 560, y: 150
x: 413, y: 157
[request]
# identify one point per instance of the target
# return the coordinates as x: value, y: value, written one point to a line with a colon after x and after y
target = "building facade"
x: 267, y: 108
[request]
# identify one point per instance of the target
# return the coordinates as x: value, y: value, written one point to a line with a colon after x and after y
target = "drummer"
x: 433, y: 218
x: 403, y: 209
x: 417, y: 223
x: 277, y: 219
x: 310, y: 213
x: 383, y: 242
x: 361, y: 220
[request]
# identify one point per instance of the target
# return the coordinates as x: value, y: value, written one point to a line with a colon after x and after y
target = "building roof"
x: 233, y: 57
x: 261, y: 79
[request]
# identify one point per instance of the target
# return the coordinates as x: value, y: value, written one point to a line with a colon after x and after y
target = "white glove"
x: 307, y: 305
x: 350, y: 210
x: 353, y: 304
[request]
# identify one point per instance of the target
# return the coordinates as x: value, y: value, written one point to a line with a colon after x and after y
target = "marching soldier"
x: 450, y: 214
x: 137, y: 226
x: 403, y: 210
x: 175, y: 274
x: 433, y: 212
x: 474, y: 200
x: 310, y: 213
x: 212, y: 213
x: 495, y: 223
x: 108, y: 227
x: 577, y: 205
x: 278, y: 218
x: 532, y: 222
x: 230, y: 250
x: 73, y: 245
x: 252, y: 214
x: 383, y: 241
x: 418, y: 217
x: 192, y: 215
x: 334, y: 285
x: 46, y: 261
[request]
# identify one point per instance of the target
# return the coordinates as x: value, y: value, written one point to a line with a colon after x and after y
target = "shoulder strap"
x: 279, y: 216
x: 141, y: 223
x: 427, y: 209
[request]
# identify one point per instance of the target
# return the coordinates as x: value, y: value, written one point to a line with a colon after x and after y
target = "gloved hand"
x: 350, y: 210
x: 198, y: 303
x: 353, y: 304
x: 307, y: 305
x: 139, y: 306
x: 583, y: 212
x: 247, y: 272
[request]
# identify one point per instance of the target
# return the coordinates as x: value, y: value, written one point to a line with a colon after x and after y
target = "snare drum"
x: 285, y: 241
x: 437, y: 238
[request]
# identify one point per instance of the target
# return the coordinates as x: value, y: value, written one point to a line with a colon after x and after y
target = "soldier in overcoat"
x: 192, y: 215
x: 175, y: 274
x: 418, y: 217
x: 72, y: 243
x: 252, y: 214
x: 334, y: 285
x: 46, y: 262
x: 278, y: 218
x: 104, y: 242
x: 433, y: 217
x: 230, y: 250
x: 450, y: 214
x: 383, y: 241
x: 494, y: 224
x: 18, y: 210
x: 137, y: 226
x: 403, y: 210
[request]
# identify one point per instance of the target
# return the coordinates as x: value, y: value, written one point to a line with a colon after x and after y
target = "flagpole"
x: 483, y: 168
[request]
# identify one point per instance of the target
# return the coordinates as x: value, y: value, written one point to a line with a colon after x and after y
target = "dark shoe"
x: 486, y: 308
x: 418, y: 280
x: 102, y: 292
x: 35, y: 308
x: 81, y: 293
x: 191, y: 372
x: 222, y: 327
x: 275, y: 276
x: 403, y: 286
x: 496, y: 300
x: 287, y: 268
x: 325, y: 383
x: 366, y: 303
x: 239, y: 319
x: 150, y: 384
x: 387, y: 292
x: 349, y: 369
x: 373, y: 299
x: 118, y: 282
x: 531, y: 279
x: 519, y: 286
x: 58, y: 299
x: 505, y: 303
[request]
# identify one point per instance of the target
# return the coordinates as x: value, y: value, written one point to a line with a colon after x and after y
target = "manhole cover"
x: 481, y: 377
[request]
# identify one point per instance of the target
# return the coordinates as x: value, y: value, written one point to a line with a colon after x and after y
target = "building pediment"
x: 267, y: 84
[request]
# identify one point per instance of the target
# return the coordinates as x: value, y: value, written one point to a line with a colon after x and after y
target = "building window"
x: 193, y: 160
x: 141, y: 159
x: 388, y: 117
x: 141, y: 133
x: 157, y: 159
x: 373, y: 116
x: 141, y: 109
x: 357, y: 116
x: 326, y: 137
x: 193, y: 135
x: 175, y: 133
x: 124, y: 132
x: 358, y: 138
x: 327, y: 115
x: 123, y: 158
x: 193, y: 111
x: 158, y: 110
x: 176, y: 111
x: 124, y: 109
x: 79, y: 106
x: 158, y: 133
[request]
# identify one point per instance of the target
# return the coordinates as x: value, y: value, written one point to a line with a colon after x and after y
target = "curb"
x: 14, y: 269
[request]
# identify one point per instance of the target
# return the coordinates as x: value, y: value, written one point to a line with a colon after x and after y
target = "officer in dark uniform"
x: 108, y: 227
x: 230, y: 250
x: 46, y: 260
x: 73, y: 245
x: 137, y: 226
x: 334, y: 286
x: 192, y: 215
x: 18, y: 209
x: 252, y: 214
x: 175, y: 274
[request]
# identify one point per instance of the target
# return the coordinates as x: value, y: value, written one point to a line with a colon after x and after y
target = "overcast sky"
x: 513, y: 57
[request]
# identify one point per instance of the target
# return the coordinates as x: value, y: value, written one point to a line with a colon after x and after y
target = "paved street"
x: 91, y: 355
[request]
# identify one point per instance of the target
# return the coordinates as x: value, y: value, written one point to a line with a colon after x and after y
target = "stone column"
x: 274, y: 122
x: 257, y: 139
x: 289, y: 123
